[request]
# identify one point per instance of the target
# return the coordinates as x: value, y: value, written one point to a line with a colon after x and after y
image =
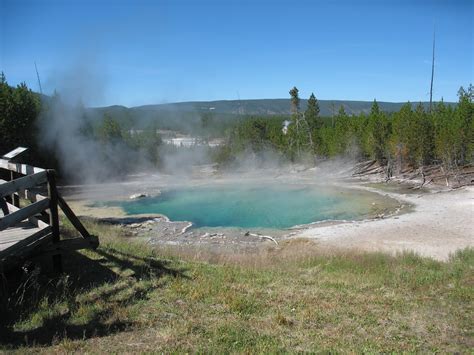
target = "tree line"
x: 412, y: 136
x: 19, y: 109
x: 56, y: 132
x: 27, y: 117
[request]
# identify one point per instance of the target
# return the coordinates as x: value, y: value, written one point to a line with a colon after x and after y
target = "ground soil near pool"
x: 440, y: 224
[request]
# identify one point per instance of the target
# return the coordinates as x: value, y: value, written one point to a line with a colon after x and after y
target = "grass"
x: 128, y: 297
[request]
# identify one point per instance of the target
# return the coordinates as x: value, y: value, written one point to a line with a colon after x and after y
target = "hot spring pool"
x: 262, y: 206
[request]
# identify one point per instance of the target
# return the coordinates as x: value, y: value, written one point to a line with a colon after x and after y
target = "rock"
x: 137, y: 196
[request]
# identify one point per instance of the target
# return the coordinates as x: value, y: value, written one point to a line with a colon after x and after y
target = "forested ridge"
x: 415, y: 135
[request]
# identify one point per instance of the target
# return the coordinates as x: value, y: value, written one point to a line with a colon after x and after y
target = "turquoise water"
x: 260, y: 206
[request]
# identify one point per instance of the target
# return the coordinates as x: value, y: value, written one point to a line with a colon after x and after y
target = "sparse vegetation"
x: 129, y: 297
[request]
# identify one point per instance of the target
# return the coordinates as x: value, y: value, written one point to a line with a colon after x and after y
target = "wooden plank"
x: 16, y: 233
x: 14, y: 153
x: 37, y: 222
x: 24, y: 169
x: 16, y: 236
x: 73, y: 218
x: 8, y: 188
x: 15, y: 258
x: 18, y: 216
x: 18, y: 246
x: 7, y: 245
x: 29, y: 194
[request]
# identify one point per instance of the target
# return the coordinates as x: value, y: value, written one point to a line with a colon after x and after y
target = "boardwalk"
x: 34, y: 229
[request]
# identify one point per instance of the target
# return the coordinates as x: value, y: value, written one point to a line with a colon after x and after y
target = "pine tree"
x: 375, y: 109
x: 312, y: 113
x: 19, y: 108
x: 464, y: 115
x: 110, y: 131
x: 377, y: 131
x: 299, y: 132
x: 295, y: 100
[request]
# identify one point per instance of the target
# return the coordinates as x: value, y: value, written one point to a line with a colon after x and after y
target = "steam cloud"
x: 82, y: 158
x: 62, y: 125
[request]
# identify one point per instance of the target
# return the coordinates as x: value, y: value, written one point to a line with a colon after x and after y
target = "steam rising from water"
x: 63, y: 128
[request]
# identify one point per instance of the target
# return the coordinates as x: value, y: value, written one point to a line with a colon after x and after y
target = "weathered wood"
x: 15, y: 152
x: 33, y: 220
x: 19, y: 231
x: 31, y: 194
x: 362, y: 168
x: 24, y: 169
x: 8, y: 188
x: 33, y: 238
x: 14, y: 259
x: 18, y: 216
x: 73, y: 218
x: 262, y: 236
x: 22, y: 234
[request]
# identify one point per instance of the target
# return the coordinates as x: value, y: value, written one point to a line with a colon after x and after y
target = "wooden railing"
x: 39, y: 187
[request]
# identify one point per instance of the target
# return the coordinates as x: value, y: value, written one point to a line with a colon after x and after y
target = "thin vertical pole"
x: 39, y: 81
x: 432, y: 71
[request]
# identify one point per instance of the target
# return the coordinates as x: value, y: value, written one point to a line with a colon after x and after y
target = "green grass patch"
x: 129, y: 297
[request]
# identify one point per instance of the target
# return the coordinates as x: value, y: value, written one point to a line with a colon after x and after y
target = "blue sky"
x: 142, y: 52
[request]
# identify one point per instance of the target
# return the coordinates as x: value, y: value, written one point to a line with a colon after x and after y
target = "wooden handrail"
x: 46, y: 235
x: 37, y: 222
x: 31, y: 194
x: 24, y: 169
x: 11, y: 219
x: 28, y: 181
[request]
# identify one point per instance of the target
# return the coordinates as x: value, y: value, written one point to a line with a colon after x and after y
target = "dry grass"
x: 127, y: 297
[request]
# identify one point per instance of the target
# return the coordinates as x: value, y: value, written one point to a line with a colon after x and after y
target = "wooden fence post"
x: 54, y: 217
x: 15, y: 196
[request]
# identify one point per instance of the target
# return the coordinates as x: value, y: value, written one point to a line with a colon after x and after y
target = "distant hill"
x: 186, y: 115
x: 260, y: 107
